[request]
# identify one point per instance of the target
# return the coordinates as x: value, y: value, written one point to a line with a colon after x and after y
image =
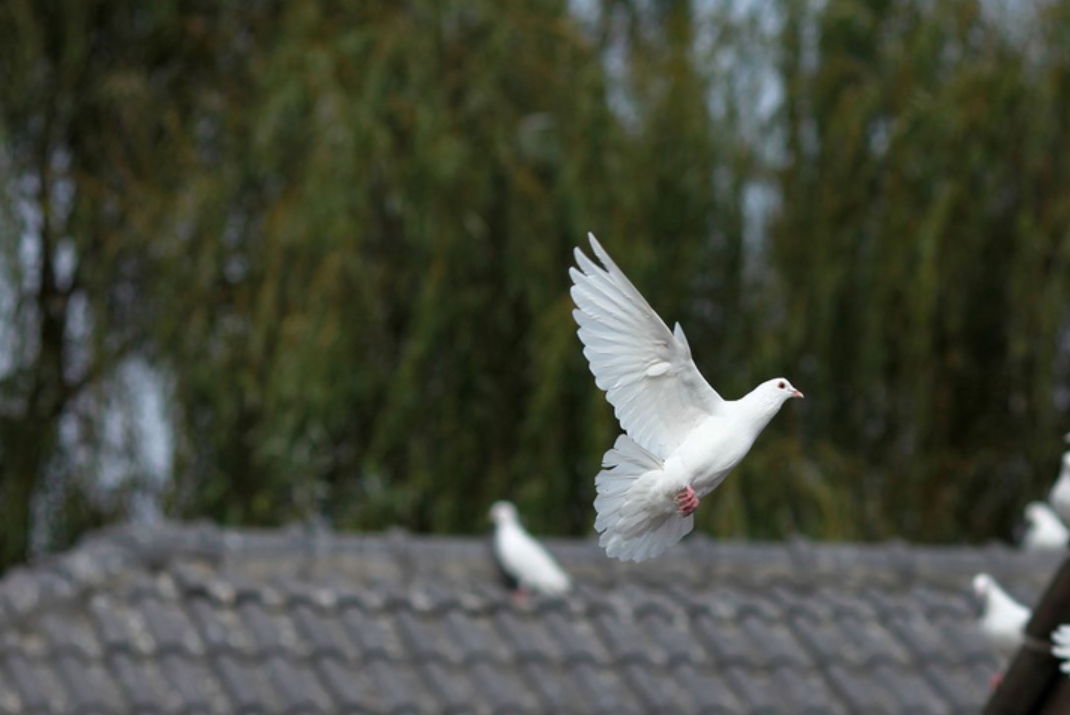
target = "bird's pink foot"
x: 686, y: 501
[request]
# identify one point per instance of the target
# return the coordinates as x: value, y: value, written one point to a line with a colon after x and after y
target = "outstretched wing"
x: 646, y: 371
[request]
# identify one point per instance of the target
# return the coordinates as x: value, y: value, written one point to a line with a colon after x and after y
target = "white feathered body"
x: 527, y: 561
x: 710, y: 451
x: 1003, y: 619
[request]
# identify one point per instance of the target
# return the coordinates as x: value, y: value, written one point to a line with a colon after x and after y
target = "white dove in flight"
x: 524, y: 558
x: 681, y: 438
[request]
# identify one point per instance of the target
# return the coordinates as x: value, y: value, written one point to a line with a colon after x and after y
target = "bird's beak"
x: 796, y: 393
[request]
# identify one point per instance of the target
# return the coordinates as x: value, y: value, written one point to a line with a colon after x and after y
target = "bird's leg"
x: 520, y: 595
x: 686, y: 501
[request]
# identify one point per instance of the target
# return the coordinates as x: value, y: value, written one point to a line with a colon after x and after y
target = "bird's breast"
x: 711, y: 451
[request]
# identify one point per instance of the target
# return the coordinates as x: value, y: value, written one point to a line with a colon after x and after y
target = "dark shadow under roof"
x: 184, y: 619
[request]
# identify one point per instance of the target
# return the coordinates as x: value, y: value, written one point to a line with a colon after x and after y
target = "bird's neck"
x: 756, y: 409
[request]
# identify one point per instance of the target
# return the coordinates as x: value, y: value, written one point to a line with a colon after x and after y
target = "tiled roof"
x: 196, y: 619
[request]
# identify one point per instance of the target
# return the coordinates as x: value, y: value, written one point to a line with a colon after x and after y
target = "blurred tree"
x: 88, y: 91
x: 341, y: 230
x: 922, y: 251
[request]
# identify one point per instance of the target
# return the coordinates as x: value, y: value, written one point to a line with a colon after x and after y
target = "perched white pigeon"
x: 1044, y: 530
x: 522, y: 557
x: 681, y: 437
x: 1061, y: 640
x: 1002, y: 619
x: 1059, y: 496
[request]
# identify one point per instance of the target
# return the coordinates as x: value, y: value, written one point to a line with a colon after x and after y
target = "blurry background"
x: 267, y: 261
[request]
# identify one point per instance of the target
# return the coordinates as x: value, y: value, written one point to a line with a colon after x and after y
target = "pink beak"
x: 798, y: 394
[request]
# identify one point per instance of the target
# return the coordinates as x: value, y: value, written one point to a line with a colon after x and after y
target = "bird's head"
x: 982, y: 585
x: 1035, y: 512
x: 778, y: 391
x: 502, y: 511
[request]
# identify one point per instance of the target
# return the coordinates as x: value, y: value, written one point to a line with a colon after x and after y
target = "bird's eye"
x: 780, y: 384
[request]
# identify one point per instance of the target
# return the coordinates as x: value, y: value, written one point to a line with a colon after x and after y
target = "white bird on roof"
x: 1044, y: 529
x: 1060, y: 639
x: 681, y: 438
x: 1059, y: 496
x: 1002, y: 618
x: 522, y: 557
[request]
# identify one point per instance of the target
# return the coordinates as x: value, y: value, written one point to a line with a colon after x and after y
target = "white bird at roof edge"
x: 681, y: 438
x: 524, y: 559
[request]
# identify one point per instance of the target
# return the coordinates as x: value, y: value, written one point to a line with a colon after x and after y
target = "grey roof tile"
x: 297, y: 685
x: 196, y: 682
x: 119, y: 625
x: 396, y: 687
x: 728, y: 643
x: 675, y: 638
x: 918, y: 635
x: 346, y: 684
x: 600, y: 689
x: 322, y: 631
x: 39, y: 689
x: 655, y: 693
x: 66, y: 636
x: 625, y: 641
x: 774, y: 638
x: 10, y: 702
x: 375, y: 635
x: 503, y: 687
x: 475, y: 637
x: 552, y: 688
x: 453, y: 691
x: 805, y: 691
x: 427, y: 638
x: 272, y: 630
x: 169, y: 627
x: 705, y: 690
x: 90, y: 687
x: 755, y: 689
x: 911, y: 690
x: 178, y: 620
x: 577, y: 639
x: 221, y: 629
x: 527, y: 637
x: 246, y: 683
x: 144, y: 686
x: 855, y: 642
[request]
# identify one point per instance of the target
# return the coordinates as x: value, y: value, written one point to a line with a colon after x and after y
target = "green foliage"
x: 342, y: 230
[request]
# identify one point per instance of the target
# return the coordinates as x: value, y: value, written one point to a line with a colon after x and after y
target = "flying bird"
x: 522, y: 557
x: 1061, y: 649
x: 1002, y: 618
x: 681, y: 438
x: 1044, y: 529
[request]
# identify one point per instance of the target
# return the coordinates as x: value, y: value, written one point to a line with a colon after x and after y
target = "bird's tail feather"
x: 631, y: 530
